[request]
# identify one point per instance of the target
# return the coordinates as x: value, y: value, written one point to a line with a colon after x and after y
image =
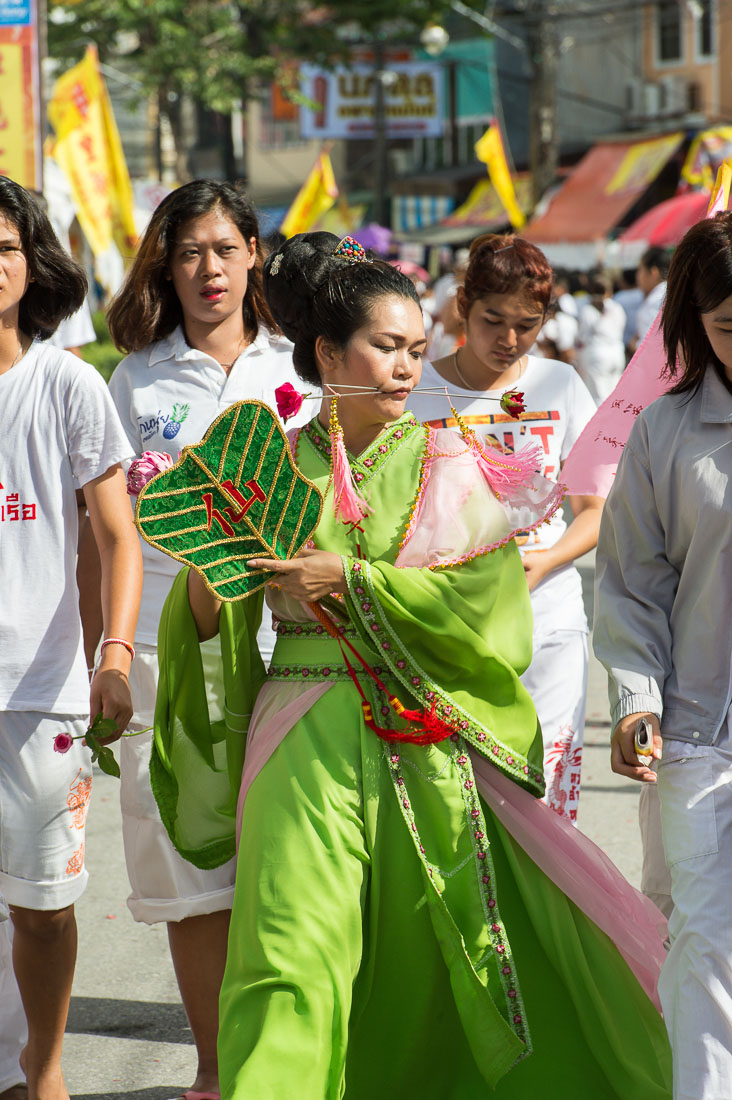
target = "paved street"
x: 127, y: 1033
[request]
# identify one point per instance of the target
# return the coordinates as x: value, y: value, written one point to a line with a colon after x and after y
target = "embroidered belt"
x: 320, y: 660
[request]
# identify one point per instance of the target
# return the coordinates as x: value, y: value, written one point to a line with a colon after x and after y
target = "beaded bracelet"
x: 118, y: 641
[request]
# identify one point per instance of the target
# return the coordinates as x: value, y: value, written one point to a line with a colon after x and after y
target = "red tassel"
x: 432, y: 728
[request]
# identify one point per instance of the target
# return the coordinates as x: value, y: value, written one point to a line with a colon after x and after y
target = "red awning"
x: 601, y: 189
x: 664, y: 225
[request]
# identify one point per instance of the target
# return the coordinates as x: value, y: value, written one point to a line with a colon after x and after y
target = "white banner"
x: 347, y: 99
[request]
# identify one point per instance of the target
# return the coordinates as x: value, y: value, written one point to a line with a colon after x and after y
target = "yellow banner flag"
x: 88, y: 149
x: 317, y: 194
x: 709, y: 148
x: 489, y: 149
x: 721, y: 186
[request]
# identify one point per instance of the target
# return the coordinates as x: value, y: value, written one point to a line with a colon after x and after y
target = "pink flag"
x: 592, y: 462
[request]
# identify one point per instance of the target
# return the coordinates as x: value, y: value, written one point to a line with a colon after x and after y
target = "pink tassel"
x: 503, y: 472
x: 507, y: 472
x: 348, y: 503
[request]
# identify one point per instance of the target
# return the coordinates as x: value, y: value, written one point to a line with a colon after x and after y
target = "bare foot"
x: 206, y: 1082
x: 45, y: 1085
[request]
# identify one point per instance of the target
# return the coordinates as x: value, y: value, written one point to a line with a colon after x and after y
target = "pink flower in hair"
x: 289, y: 401
x: 62, y: 742
x: 145, y: 468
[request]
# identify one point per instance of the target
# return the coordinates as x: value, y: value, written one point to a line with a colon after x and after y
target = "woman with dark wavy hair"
x: 201, y: 336
x: 663, y: 630
x: 58, y: 431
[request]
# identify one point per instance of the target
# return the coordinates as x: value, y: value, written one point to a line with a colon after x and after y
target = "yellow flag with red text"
x: 489, y: 149
x: 87, y: 147
x: 317, y: 194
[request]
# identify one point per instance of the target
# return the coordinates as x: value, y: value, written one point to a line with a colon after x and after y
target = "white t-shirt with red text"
x: 58, y: 431
x: 557, y: 408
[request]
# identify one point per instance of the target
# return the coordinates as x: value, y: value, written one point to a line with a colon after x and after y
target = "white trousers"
x: 165, y: 887
x: 13, y: 1028
x: 655, y: 875
x: 695, y: 792
x: 556, y: 680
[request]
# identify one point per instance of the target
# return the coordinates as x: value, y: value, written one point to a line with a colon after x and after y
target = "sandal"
x: 15, y: 1092
x: 190, y: 1094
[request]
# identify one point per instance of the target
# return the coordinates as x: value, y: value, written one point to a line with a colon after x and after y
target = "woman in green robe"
x: 397, y: 928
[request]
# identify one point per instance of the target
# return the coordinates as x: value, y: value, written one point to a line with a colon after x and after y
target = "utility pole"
x: 543, y: 50
x: 381, y: 173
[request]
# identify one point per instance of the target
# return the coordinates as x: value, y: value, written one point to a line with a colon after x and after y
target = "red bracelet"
x: 118, y: 641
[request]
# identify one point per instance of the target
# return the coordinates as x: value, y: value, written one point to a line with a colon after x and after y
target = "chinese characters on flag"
x: 88, y: 149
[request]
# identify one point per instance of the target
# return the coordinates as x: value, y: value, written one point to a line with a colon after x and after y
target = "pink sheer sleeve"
x: 458, y: 516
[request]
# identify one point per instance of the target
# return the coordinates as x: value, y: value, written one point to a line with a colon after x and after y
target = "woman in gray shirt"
x: 663, y: 629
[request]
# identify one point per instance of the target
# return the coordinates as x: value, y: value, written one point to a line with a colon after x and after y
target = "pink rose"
x: 288, y: 400
x: 512, y: 402
x: 145, y: 468
x: 62, y: 742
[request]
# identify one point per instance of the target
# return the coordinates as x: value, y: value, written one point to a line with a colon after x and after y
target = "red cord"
x: 430, y: 727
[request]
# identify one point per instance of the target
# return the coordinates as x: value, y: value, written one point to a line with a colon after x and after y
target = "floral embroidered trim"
x: 488, y: 891
x: 405, y: 668
x: 311, y: 672
x: 424, y: 474
x: 309, y: 630
x: 376, y: 454
x: 480, y: 551
x: 486, y: 876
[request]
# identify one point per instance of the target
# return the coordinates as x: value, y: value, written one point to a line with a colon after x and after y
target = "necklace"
x: 228, y: 366
x: 461, y: 377
x: 18, y: 355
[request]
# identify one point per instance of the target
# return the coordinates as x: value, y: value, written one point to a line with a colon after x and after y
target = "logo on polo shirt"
x: 151, y: 425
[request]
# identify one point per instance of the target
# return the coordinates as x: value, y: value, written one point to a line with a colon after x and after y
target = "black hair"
x: 314, y: 293
x: 58, y: 284
x: 659, y: 258
x: 147, y: 307
x: 699, y: 280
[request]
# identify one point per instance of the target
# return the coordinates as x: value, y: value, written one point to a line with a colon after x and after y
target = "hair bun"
x: 294, y: 274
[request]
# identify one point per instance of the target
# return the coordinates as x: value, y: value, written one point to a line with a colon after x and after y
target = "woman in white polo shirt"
x: 200, y: 336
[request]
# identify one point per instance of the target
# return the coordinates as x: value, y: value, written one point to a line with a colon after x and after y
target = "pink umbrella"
x: 665, y: 224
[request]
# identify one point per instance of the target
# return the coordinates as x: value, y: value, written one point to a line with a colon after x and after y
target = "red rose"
x: 62, y: 742
x: 288, y: 400
x: 512, y: 402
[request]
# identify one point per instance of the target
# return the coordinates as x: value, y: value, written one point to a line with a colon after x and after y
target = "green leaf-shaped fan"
x: 235, y: 495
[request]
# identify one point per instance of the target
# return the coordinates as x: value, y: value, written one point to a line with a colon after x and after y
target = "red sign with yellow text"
x: 20, y: 129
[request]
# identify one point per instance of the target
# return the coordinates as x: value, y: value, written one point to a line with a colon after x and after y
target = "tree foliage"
x: 219, y: 52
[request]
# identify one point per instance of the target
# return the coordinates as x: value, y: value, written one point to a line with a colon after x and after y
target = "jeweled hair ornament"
x: 350, y: 249
x: 276, y: 264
